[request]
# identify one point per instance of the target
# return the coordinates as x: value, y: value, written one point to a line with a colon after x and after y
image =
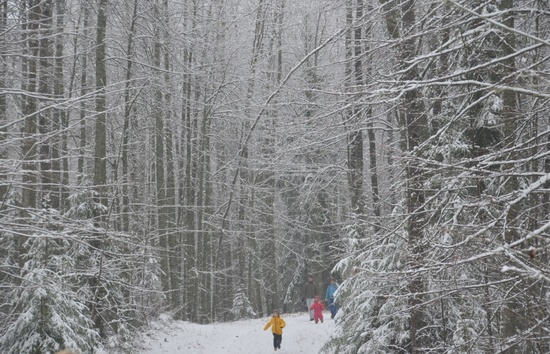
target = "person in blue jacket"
x: 329, y: 296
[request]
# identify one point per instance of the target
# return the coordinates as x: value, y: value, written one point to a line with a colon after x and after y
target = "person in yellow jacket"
x: 277, y: 324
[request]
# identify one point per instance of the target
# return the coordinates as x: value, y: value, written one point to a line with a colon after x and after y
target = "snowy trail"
x: 240, y: 337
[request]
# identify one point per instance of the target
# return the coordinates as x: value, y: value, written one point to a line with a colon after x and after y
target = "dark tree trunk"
x: 126, y: 125
x: 100, y: 147
x: 4, y: 186
x: 100, y: 151
x: 81, y: 167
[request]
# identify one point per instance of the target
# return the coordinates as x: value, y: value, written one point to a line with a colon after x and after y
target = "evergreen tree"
x: 242, y: 308
x: 49, y: 312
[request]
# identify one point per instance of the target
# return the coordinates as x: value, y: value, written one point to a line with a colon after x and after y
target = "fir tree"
x: 242, y: 308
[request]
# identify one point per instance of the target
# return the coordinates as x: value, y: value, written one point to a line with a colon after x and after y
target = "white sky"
x: 241, y: 337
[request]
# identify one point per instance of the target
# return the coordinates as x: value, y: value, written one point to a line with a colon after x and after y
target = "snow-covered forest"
x: 199, y: 158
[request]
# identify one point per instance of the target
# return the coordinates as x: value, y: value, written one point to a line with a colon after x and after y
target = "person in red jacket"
x: 277, y: 324
x: 317, y: 308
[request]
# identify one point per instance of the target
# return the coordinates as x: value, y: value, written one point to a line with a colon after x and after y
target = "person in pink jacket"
x: 317, y: 308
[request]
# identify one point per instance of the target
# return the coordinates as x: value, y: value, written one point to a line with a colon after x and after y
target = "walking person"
x: 310, y: 291
x: 277, y: 324
x: 317, y: 308
x: 329, y: 296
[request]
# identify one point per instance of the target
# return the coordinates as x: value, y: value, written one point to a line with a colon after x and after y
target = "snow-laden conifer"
x: 373, y: 313
x: 49, y: 313
x: 242, y: 308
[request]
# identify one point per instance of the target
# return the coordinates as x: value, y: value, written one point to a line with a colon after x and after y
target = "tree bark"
x: 513, y: 322
x: 50, y: 197
x: 355, y: 134
x: 60, y: 117
x: 354, y: 137
x: 100, y: 147
x: 81, y: 164
x: 360, y: 37
x: 30, y: 11
x: 160, y: 176
x: 414, y: 123
x: 4, y: 186
x: 126, y: 125
x: 170, y: 188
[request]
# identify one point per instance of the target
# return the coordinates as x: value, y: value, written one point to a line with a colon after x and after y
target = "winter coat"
x: 310, y: 290
x: 277, y: 324
x: 330, y: 291
x: 317, y: 308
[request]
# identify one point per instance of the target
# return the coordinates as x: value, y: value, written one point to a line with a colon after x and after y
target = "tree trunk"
x: 414, y: 123
x: 81, y: 165
x: 373, y: 163
x: 202, y: 234
x: 159, y: 161
x: 187, y: 194
x: 126, y: 125
x: 513, y: 322
x: 60, y: 117
x: 28, y: 142
x: 355, y: 135
x: 170, y: 188
x: 4, y: 186
x: 50, y: 197
x: 100, y: 147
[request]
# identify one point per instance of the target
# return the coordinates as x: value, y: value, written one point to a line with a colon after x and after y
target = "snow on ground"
x: 241, y: 337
